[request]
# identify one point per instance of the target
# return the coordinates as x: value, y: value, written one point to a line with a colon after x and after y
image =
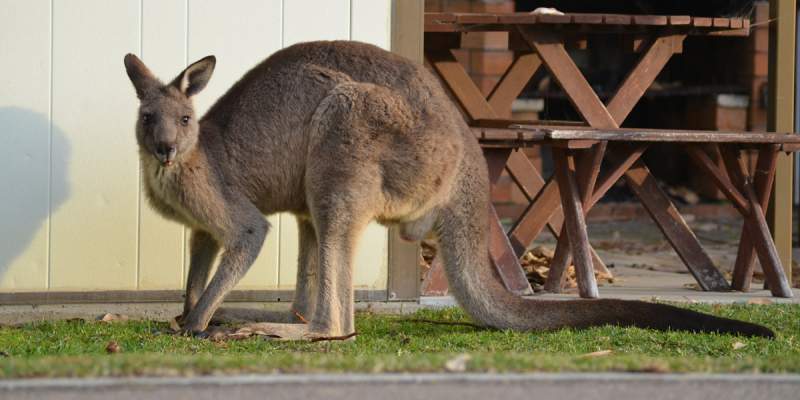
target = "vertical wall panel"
x: 330, y: 20
x: 161, y: 242
x: 367, y: 21
x: 68, y: 148
x: 240, y: 34
x: 25, y: 144
x: 307, y: 20
x: 94, y: 233
x: 371, y: 22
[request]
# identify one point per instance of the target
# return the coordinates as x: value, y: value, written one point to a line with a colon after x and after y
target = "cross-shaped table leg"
x: 664, y: 213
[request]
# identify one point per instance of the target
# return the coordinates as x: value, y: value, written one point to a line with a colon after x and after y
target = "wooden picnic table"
x: 561, y: 202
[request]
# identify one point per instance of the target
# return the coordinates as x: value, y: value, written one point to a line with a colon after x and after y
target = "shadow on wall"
x: 27, y: 197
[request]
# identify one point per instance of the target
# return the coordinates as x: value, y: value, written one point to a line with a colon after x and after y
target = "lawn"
x: 393, y: 343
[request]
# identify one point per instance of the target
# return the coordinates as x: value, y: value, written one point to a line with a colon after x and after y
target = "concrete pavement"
x: 613, y: 386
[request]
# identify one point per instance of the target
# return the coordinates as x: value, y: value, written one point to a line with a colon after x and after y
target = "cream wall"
x: 72, y: 216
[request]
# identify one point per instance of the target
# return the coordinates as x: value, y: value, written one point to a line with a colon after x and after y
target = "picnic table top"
x: 530, y: 134
x: 464, y: 22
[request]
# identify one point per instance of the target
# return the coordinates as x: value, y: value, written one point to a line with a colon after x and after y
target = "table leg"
x: 755, y: 221
x: 543, y: 211
x: 561, y: 258
x: 764, y: 176
x: 574, y: 223
x: 674, y: 228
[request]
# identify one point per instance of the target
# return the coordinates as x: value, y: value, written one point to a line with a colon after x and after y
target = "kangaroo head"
x: 167, y: 128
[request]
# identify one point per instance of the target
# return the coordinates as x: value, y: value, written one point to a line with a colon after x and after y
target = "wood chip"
x: 457, y: 363
x: 601, y: 353
x: 108, y: 318
x: 113, y: 347
x: 174, y: 326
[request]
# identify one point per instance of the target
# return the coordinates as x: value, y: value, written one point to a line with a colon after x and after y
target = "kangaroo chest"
x: 164, y: 191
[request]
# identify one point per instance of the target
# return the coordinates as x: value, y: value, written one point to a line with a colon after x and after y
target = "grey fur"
x: 340, y: 134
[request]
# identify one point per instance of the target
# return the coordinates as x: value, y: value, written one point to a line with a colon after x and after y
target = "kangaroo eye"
x: 147, y: 118
x: 185, y: 120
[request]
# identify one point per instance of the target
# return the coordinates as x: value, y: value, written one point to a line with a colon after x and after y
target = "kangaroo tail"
x: 461, y: 229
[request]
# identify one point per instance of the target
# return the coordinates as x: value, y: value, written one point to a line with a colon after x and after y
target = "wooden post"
x: 781, y: 119
x: 408, y: 24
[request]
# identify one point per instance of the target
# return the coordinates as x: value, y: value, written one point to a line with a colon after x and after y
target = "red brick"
x: 490, y: 62
x: 494, y: 7
x: 433, y: 5
x: 760, y: 64
x: 457, y: 6
x: 485, y: 40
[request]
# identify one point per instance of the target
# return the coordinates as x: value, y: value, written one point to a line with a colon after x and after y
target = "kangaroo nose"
x: 165, y: 149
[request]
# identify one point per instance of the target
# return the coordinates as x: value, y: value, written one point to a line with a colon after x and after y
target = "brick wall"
x: 484, y: 55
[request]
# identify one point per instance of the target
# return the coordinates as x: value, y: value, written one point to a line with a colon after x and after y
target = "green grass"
x: 390, y: 343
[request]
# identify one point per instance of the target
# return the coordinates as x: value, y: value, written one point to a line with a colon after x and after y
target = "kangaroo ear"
x: 196, y: 76
x: 141, y: 77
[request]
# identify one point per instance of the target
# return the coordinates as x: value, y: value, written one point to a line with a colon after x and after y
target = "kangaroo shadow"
x: 31, y: 189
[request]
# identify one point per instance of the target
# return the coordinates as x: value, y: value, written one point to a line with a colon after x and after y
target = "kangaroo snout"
x: 165, y: 152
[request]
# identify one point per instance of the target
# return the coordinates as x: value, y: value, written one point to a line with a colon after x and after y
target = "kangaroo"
x: 340, y: 134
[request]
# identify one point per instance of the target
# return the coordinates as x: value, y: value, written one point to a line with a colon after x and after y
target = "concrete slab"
x: 611, y: 386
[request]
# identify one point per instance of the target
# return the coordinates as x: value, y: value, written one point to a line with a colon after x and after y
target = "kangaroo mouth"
x: 166, y: 159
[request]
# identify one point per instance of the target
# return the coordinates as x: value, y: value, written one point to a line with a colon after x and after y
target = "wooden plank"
x: 765, y: 248
x: 501, y: 251
x: 557, y: 272
x: 737, y: 23
x: 643, y: 75
x: 475, y: 18
x: 654, y: 20
x: 575, y: 224
x: 460, y: 84
x: 626, y: 158
x: 569, y: 77
x: 721, y: 23
x: 517, y: 18
x: 505, y: 259
x: 616, y: 19
x: 653, y: 135
x: 554, y: 18
x: 439, y: 18
x: 674, y: 227
x: 702, y: 160
x: 579, y: 18
x: 536, y: 217
x: 680, y: 20
x: 756, y: 225
x: 513, y: 82
x: 763, y: 179
x: 515, y: 138
x: 702, y: 22
x: 524, y: 174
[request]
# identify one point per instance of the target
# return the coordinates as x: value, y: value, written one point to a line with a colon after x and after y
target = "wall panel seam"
x: 139, y: 169
x: 49, y: 277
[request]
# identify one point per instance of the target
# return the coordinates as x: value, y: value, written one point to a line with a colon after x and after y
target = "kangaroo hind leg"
x: 306, y: 287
